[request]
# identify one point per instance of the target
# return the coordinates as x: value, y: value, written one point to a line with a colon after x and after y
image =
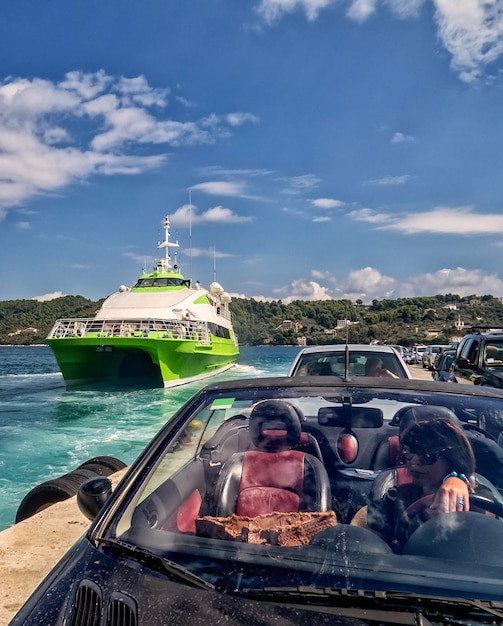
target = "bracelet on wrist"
x: 456, y: 475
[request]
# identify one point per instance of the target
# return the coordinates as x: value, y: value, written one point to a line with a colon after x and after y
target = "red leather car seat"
x: 275, y: 476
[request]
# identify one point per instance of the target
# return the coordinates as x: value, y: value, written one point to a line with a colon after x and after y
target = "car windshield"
x: 361, y: 363
x: 275, y: 487
x: 446, y: 361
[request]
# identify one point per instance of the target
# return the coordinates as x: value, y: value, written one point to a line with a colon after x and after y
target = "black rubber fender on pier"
x: 66, y: 486
x: 103, y: 465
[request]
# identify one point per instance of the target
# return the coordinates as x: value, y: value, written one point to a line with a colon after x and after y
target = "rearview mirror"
x: 350, y: 416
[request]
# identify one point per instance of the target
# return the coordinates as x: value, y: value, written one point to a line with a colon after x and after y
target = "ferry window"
x: 159, y: 282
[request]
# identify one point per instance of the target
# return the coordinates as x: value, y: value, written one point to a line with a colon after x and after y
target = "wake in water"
x: 47, y: 431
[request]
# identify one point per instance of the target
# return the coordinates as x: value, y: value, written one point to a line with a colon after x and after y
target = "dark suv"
x: 479, y: 359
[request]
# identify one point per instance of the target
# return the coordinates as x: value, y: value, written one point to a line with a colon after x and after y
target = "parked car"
x: 249, y: 507
x: 442, y: 370
x: 331, y: 361
x: 407, y: 355
x: 417, y: 354
x: 414, y: 355
x: 430, y: 354
x: 479, y: 359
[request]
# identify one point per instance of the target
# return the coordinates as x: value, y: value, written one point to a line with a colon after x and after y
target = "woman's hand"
x: 451, y: 496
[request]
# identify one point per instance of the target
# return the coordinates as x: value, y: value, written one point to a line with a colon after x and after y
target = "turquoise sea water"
x: 47, y: 430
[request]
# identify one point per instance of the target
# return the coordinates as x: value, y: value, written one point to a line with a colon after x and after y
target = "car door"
x: 465, y: 367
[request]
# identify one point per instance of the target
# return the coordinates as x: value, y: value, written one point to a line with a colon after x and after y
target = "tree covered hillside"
x: 401, y: 321
x: 29, y: 321
x: 404, y: 320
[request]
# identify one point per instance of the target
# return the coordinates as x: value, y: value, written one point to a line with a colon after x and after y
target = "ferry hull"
x: 158, y: 362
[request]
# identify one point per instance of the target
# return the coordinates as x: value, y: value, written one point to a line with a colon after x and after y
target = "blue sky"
x: 332, y: 148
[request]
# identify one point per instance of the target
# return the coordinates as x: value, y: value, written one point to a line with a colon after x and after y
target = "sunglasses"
x: 424, y: 457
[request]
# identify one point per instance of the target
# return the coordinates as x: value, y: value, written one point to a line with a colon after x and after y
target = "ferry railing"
x: 225, y: 313
x: 152, y: 328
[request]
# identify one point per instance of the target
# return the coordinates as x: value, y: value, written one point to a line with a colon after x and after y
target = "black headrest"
x: 406, y: 416
x: 269, y: 417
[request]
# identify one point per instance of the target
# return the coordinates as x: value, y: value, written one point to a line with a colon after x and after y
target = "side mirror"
x: 462, y: 363
x: 92, y: 495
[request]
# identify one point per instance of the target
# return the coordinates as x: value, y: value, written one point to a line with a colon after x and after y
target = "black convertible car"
x: 249, y: 507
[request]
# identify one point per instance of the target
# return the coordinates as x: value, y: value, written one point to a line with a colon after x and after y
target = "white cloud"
x: 216, y: 170
x: 188, y: 214
x: 86, y: 86
x: 327, y: 203
x: 221, y: 188
x: 237, y: 119
x: 361, y: 10
x: 401, y: 138
x: 440, y: 220
x: 390, y: 180
x: 49, y: 296
x: 369, y: 283
x: 471, y: 30
x: 299, y: 184
x: 445, y: 220
x: 272, y: 10
x: 186, y: 103
x: 209, y: 252
x: 304, y: 289
x: 405, y: 8
x: 40, y: 152
x: 370, y: 216
x: 459, y: 281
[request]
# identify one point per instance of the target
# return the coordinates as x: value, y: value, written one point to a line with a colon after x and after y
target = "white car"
x: 417, y: 354
x: 364, y: 360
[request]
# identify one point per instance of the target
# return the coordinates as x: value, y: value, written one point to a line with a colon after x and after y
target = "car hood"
x: 126, y: 591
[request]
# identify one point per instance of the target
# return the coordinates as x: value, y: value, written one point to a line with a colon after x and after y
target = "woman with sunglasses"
x: 437, y: 478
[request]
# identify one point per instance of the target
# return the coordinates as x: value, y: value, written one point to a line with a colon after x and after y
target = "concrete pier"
x: 31, y: 548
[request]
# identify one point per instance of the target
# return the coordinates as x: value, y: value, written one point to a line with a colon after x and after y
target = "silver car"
x: 363, y: 360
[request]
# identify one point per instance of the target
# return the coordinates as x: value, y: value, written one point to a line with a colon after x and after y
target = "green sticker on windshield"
x: 223, y: 403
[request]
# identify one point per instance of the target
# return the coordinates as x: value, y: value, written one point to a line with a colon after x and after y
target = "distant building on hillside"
x: 30, y: 329
x: 290, y: 325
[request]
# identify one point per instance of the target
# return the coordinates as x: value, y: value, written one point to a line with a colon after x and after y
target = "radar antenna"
x: 164, y: 265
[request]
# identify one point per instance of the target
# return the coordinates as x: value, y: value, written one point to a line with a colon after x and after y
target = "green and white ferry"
x: 163, y: 330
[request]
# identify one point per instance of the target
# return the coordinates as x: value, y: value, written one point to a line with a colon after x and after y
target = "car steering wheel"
x: 480, y: 502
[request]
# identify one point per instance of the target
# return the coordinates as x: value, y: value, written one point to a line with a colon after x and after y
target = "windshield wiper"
x: 386, y: 607
x: 174, y: 571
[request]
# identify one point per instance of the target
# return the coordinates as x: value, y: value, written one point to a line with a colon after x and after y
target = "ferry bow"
x: 163, y: 329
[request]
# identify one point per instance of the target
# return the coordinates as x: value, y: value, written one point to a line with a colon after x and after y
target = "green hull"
x: 162, y: 361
